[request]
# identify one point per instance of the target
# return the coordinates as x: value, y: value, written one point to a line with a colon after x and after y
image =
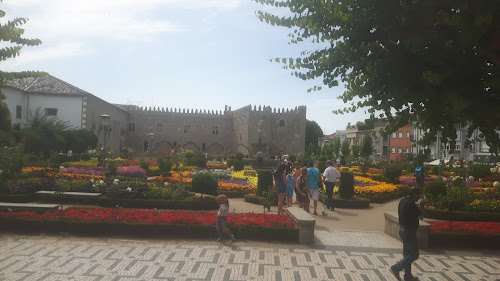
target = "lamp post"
x: 105, y: 120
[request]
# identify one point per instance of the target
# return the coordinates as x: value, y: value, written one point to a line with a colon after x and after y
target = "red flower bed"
x: 154, y: 217
x: 469, y: 227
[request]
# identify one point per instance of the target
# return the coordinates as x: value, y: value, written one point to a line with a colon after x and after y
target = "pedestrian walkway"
x: 337, y: 255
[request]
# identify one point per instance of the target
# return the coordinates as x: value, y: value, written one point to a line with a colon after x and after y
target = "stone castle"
x: 247, y: 130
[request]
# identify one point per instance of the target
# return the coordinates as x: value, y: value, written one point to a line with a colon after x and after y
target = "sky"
x: 200, y: 54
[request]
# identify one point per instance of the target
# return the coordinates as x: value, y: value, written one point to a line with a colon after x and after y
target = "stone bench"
x: 44, y: 194
x: 29, y: 206
x: 305, y: 222
x: 392, y: 229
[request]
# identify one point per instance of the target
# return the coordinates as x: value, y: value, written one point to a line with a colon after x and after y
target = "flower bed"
x: 236, y: 185
x: 149, y: 222
x: 97, y: 171
x: 190, y: 203
x: 469, y: 227
x: 376, y: 191
x: 484, y: 235
x: 441, y: 214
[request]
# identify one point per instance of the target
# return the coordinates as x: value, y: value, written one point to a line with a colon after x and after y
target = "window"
x: 215, y: 130
x: 187, y: 128
x: 394, y: 135
x: 375, y: 138
x: 400, y: 150
x: 282, y: 123
x: 400, y: 135
x: 131, y: 127
x: 203, y: 146
x: 457, y: 147
x: 159, y: 127
x: 18, y: 112
x: 407, y: 134
x: 407, y: 150
x: 386, y: 138
x: 51, y: 111
x: 175, y: 143
x: 393, y: 149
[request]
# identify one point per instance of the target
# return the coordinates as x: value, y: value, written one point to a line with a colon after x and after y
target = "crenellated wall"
x: 217, y: 131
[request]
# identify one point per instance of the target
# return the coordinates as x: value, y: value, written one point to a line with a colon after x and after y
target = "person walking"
x: 419, y: 176
x: 330, y: 175
x: 409, y: 214
x: 302, y: 190
x: 280, y: 182
x: 221, y: 224
x: 290, y: 186
x: 314, y: 182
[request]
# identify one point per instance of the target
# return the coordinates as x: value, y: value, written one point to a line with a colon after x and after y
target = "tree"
x: 336, y: 146
x: 313, y: 132
x: 11, y: 33
x: 355, y: 150
x: 345, y: 148
x: 432, y: 62
x: 367, y: 146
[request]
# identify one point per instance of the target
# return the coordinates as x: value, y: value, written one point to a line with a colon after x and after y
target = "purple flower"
x: 96, y: 171
x: 132, y: 172
x: 235, y: 181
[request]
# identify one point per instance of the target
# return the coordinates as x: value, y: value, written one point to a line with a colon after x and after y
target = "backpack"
x: 419, y: 172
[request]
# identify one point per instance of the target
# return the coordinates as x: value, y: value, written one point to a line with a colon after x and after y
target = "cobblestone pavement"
x: 337, y: 255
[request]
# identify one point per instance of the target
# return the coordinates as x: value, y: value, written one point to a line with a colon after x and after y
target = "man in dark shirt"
x: 409, y: 214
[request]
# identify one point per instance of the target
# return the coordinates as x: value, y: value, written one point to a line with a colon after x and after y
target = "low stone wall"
x: 392, y: 229
x: 305, y: 222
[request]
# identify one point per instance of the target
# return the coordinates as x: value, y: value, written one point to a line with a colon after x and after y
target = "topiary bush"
x: 264, y: 181
x: 205, y: 183
x: 480, y: 171
x: 322, y: 163
x: 239, y: 165
x: 435, y: 190
x: 346, y: 185
x: 392, y: 173
x: 239, y: 156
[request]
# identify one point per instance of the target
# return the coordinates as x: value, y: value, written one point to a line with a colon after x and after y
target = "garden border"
x: 186, y: 204
x: 461, y: 215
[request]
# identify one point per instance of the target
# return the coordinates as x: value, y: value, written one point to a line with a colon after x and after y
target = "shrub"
x: 74, y: 186
x: 457, y: 197
x: 27, y: 186
x: 205, y: 183
x: 125, y: 152
x: 392, y: 173
x: 239, y: 165
x: 480, y: 171
x: 112, y: 166
x: 264, y: 181
x: 85, y: 156
x: 239, y: 156
x: 127, y: 189
x: 165, y: 165
x: 346, y: 185
x: 435, y: 190
x: 170, y: 192
x: 322, y: 163
x: 292, y: 158
x: 200, y: 160
x: 144, y: 164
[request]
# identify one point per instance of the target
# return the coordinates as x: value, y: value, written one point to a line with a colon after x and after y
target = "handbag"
x: 320, y: 183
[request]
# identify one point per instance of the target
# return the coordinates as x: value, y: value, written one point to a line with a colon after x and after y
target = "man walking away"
x: 314, y: 178
x: 409, y: 214
x: 330, y: 175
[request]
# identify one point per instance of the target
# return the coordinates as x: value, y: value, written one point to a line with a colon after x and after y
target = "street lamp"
x: 105, y: 120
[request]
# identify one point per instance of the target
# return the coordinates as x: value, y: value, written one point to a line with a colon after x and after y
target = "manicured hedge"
x: 233, y: 194
x: 353, y: 203
x: 386, y: 197
x: 461, y: 215
x: 17, y: 198
x: 464, y: 240
x: 208, y: 203
x: 254, y: 199
x: 145, y: 230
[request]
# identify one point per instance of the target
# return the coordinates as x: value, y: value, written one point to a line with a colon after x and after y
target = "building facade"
x: 247, y: 130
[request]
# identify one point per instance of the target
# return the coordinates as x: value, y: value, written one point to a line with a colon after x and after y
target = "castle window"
x: 51, y: 111
x: 282, y: 123
x: 203, y: 146
x: 215, y: 130
x: 131, y: 127
x: 18, y: 111
x: 187, y: 128
x: 159, y: 127
x: 175, y: 144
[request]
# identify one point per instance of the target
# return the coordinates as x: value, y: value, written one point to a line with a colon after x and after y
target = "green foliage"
x: 188, y: 154
x: 322, y: 163
x: 312, y: 149
x: 457, y: 197
x: 79, y: 140
x: 11, y: 162
x: 126, y: 152
x: 144, y: 164
x: 346, y: 185
x: 364, y: 164
x: 239, y: 165
x: 165, y: 164
x: 201, y: 160
x: 355, y: 150
x: 239, y: 156
x: 205, y: 183
x: 267, y: 198
x: 5, y: 119
x: 313, y: 132
x: 171, y: 192
x: 264, y: 181
x: 345, y: 149
x: 367, y: 146
x: 392, y: 172
x: 292, y: 158
x: 480, y: 171
x: 368, y: 45
x: 434, y: 190
x: 336, y: 147
x: 112, y: 166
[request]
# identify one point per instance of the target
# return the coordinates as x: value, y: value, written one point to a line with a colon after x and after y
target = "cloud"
x: 37, y: 54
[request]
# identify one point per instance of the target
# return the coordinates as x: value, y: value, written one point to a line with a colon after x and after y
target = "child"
x: 221, y: 224
x: 290, y: 186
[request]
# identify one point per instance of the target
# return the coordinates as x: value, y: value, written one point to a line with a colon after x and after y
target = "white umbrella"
x: 437, y: 162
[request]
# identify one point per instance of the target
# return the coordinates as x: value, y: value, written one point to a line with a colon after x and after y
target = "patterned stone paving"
x: 34, y: 258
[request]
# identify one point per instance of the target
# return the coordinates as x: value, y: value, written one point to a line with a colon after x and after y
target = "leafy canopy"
x: 433, y: 62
